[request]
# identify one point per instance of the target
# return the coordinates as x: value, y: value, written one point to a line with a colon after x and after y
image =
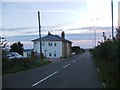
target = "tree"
x: 104, y: 36
x: 76, y: 49
x: 17, y: 47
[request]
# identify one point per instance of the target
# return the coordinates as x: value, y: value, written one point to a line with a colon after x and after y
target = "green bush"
x: 77, y: 50
x: 107, y: 59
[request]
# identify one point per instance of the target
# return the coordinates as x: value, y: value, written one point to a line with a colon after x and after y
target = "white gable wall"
x: 26, y: 54
x: 49, y: 51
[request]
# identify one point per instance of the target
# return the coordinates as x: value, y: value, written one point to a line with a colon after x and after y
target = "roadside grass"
x: 106, y: 73
x: 17, y: 65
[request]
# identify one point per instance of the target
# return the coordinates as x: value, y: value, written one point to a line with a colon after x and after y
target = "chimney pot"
x: 49, y: 33
x: 63, y: 34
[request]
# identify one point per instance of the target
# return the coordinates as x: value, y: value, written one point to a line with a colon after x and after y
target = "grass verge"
x: 106, y: 73
x: 17, y: 65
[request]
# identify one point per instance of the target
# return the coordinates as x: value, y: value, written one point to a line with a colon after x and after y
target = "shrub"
x: 107, y: 56
x: 16, y: 65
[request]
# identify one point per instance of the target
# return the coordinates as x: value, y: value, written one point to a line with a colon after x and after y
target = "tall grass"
x: 16, y: 65
x: 107, y: 58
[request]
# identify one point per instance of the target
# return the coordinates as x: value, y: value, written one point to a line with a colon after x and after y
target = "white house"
x: 53, y: 46
x: 27, y: 53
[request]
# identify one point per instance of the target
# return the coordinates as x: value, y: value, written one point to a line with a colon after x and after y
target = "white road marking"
x: 74, y: 61
x: 67, y: 65
x: 97, y: 70
x: 44, y: 78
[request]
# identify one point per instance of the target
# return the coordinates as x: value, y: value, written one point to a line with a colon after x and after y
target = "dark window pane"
x: 55, y: 44
x: 50, y: 54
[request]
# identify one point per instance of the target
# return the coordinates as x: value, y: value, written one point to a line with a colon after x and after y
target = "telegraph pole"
x: 112, y: 19
x: 94, y: 36
x: 40, y: 35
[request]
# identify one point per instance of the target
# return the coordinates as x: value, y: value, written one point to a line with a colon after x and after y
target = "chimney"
x: 63, y: 35
x: 49, y: 33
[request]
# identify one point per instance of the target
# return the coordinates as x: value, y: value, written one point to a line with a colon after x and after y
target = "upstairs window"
x: 55, y: 44
x: 49, y: 44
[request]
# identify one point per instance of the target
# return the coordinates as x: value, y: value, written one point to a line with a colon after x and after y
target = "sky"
x: 19, y: 20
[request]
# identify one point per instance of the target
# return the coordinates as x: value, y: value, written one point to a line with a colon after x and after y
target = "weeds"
x: 16, y: 65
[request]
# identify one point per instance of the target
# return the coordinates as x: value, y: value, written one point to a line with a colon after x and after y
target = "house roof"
x: 51, y: 37
x: 28, y: 50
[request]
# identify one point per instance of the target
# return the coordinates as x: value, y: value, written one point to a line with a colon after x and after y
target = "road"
x: 75, y: 72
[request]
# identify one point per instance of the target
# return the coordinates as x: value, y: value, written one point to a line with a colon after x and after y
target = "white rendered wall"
x: 46, y: 49
x: 24, y: 54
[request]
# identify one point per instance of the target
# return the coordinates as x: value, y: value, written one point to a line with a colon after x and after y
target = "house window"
x: 50, y: 54
x: 54, y: 55
x: 28, y: 54
x: 49, y: 44
x: 55, y: 44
